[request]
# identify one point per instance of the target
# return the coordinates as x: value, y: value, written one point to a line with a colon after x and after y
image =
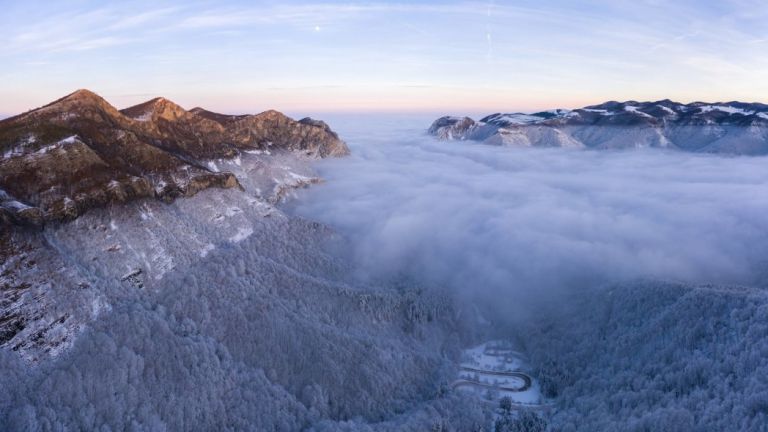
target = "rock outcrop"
x: 80, y: 152
x: 732, y: 127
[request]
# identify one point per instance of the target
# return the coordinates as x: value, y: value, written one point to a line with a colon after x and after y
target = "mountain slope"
x: 732, y: 127
x: 79, y: 152
x: 652, y: 355
x: 222, y: 300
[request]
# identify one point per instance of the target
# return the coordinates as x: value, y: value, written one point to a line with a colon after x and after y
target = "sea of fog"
x: 500, y: 222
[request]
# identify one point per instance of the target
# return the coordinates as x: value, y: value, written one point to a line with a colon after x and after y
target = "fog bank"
x: 492, y: 220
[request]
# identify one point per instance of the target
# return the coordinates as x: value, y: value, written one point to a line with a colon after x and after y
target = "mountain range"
x: 118, y: 173
x: 123, y: 307
x: 80, y: 152
x: 731, y: 127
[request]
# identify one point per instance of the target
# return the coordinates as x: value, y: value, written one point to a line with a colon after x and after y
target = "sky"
x: 452, y: 57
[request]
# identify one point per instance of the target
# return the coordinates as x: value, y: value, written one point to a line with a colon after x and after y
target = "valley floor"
x: 494, y: 370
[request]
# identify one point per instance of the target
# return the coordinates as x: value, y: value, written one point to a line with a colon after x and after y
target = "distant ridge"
x: 721, y: 127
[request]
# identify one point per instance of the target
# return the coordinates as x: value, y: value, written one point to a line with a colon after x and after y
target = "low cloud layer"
x: 491, y: 220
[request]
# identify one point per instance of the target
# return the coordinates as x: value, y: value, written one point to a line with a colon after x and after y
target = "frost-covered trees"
x: 651, y: 356
x: 510, y: 420
x: 266, y: 334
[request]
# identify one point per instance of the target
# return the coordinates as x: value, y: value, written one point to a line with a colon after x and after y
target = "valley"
x: 322, y: 292
x: 494, y: 370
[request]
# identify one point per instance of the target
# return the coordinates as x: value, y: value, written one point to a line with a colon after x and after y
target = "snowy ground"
x: 494, y: 370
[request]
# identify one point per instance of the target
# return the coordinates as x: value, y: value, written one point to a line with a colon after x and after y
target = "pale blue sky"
x: 306, y: 57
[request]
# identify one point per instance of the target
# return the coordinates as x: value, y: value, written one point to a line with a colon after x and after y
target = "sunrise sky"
x: 455, y: 57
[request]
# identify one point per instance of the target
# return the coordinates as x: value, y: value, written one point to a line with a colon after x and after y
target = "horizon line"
x: 469, y: 109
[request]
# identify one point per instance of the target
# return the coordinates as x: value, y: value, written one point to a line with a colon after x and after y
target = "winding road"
x: 463, y: 382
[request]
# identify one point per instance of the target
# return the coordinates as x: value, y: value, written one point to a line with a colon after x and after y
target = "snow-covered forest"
x: 263, y: 334
x: 635, y: 307
x: 650, y: 356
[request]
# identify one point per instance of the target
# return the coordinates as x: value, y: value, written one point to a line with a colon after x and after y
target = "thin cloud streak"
x: 529, y: 51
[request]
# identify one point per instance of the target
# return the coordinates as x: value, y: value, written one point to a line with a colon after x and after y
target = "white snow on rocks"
x: 18, y: 149
x: 519, y: 119
x: 21, y: 148
x: 725, y: 108
x: 598, y: 111
x: 667, y: 109
x: 147, y: 116
x: 636, y: 110
x: 60, y: 144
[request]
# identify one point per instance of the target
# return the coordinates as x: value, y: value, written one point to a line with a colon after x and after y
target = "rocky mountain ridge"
x: 730, y: 127
x: 116, y: 176
x: 80, y: 152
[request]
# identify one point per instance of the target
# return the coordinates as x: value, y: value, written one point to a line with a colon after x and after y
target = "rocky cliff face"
x: 80, y: 152
x: 733, y: 127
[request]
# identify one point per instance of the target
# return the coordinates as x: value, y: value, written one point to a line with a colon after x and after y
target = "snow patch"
x: 29, y: 139
x: 517, y: 119
x: 242, y: 234
x: 667, y: 109
x: 160, y: 186
x: 19, y: 150
x: 599, y: 111
x: 636, y: 110
x: 206, y: 250
x: 14, y: 205
x: 16, y: 151
x: 66, y: 115
x: 147, y: 116
x: 725, y: 108
x: 145, y: 213
x: 99, y: 305
x: 300, y: 178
